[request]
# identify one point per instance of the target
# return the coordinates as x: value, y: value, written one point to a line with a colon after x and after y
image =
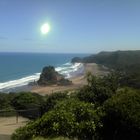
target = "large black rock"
x: 49, y: 77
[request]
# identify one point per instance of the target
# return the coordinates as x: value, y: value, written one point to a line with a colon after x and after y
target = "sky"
x: 77, y: 26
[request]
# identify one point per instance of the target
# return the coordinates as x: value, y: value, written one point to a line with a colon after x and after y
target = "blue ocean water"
x: 20, y: 68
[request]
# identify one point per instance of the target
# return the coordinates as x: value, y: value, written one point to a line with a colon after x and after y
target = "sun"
x: 45, y: 28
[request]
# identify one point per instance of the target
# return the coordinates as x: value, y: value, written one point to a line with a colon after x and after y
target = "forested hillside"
x: 127, y: 62
x: 117, y: 59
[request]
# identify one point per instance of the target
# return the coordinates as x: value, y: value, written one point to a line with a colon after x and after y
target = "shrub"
x: 30, y: 102
x: 122, y: 116
x: 70, y: 118
x: 52, y: 100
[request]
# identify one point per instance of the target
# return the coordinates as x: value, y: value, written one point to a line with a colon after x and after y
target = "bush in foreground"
x: 28, y: 103
x: 51, y: 101
x: 122, y: 116
x: 70, y: 118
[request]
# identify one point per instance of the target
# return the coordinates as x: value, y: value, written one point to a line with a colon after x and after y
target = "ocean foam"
x: 19, y: 82
x: 68, y: 70
x: 72, y: 70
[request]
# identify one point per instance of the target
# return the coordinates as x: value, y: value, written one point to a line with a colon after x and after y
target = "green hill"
x: 125, y: 61
x: 115, y: 59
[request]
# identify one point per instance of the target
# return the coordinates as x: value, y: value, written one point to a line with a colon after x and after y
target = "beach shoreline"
x: 25, y: 83
x: 78, y: 81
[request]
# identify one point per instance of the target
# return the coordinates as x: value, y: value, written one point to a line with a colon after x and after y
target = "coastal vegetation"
x: 26, y: 104
x: 106, y: 108
x: 101, y: 110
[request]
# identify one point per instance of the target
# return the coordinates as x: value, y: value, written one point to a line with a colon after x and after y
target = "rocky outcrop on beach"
x: 50, y: 77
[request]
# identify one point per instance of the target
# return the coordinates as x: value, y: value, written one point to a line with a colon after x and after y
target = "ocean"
x: 18, y: 69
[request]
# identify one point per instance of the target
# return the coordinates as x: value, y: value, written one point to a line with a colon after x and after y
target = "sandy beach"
x: 9, y: 124
x: 78, y: 81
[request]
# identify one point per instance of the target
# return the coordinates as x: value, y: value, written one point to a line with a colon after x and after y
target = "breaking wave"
x: 68, y: 70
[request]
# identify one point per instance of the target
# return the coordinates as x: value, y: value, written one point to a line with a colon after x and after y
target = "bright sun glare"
x: 45, y: 28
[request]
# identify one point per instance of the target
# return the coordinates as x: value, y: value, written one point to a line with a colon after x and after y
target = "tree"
x: 52, y: 100
x: 70, y: 118
x: 98, y: 90
x: 4, y: 102
x: 122, y: 116
x: 30, y: 102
